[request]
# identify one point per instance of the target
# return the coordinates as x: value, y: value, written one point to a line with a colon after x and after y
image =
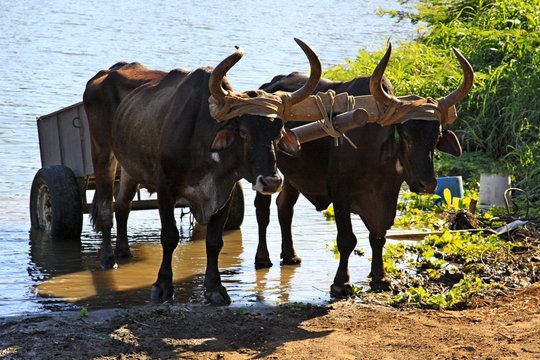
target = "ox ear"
x: 390, y: 147
x: 449, y: 143
x: 223, y: 139
x: 289, y: 143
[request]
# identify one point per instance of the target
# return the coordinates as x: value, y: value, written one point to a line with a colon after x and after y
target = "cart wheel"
x: 55, y: 203
x: 236, y: 212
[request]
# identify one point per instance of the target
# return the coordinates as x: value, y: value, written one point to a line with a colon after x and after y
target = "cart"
x: 58, y: 197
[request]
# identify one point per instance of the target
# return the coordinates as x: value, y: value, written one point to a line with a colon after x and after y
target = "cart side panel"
x: 85, y: 142
x: 64, y: 140
x: 70, y: 140
x: 49, y: 141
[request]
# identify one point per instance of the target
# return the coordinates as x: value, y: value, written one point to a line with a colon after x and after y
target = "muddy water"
x: 49, y: 51
x: 81, y: 282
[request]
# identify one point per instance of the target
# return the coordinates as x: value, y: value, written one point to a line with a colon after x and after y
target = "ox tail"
x: 95, y: 219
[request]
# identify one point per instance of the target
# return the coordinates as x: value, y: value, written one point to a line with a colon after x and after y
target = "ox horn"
x: 219, y: 72
x: 314, y: 75
x: 468, y: 78
x: 375, y: 82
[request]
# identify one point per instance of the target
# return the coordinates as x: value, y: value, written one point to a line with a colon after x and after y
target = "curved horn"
x: 468, y: 78
x: 375, y: 82
x: 214, y: 84
x: 314, y: 76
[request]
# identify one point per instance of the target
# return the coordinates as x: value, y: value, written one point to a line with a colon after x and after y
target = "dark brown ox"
x: 365, y: 181
x: 159, y: 128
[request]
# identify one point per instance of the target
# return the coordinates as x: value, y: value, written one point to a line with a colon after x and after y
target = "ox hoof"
x: 122, y: 253
x: 263, y: 263
x: 108, y: 264
x: 341, y: 291
x: 379, y: 285
x: 161, y: 293
x: 287, y: 260
x: 217, y: 296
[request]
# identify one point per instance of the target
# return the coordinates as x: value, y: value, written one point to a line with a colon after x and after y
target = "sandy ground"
x: 505, y: 328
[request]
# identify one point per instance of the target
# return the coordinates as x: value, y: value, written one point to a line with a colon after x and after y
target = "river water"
x: 49, y: 49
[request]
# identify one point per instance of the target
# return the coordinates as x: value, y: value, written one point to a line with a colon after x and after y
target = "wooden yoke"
x: 356, y: 111
x: 411, y: 106
x: 341, y: 123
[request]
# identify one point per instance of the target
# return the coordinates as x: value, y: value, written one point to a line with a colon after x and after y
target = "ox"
x: 365, y: 181
x: 158, y: 126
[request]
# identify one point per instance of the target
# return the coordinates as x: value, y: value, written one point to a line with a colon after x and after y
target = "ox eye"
x: 397, y: 136
x: 243, y: 134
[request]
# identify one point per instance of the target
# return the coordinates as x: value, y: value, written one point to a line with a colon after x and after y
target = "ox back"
x: 364, y: 181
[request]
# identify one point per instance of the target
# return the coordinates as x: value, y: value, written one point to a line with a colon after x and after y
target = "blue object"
x: 452, y: 183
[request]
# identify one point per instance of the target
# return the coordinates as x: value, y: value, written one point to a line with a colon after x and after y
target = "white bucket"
x: 492, y: 188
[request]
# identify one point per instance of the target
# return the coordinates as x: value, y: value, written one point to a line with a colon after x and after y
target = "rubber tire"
x: 236, y: 212
x: 56, y: 203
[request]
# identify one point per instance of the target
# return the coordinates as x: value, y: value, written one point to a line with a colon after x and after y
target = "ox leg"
x: 262, y: 211
x: 378, y: 220
x: 378, y: 281
x: 163, y: 290
x: 346, y: 242
x: 285, y: 201
x: 122, y: 207
x: 102, y: 210
x: 215, y: 293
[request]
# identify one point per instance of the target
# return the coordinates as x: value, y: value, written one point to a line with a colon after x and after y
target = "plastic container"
x: 492, y: 188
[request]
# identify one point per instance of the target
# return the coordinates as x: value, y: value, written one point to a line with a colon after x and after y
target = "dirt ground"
x: 505, y: 328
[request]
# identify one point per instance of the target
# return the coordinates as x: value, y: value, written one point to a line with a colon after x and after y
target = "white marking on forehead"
x: 399, y: 167
x: 215, y: 157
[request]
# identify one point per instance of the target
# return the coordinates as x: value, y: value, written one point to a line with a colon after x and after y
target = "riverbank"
x: 507, y: 327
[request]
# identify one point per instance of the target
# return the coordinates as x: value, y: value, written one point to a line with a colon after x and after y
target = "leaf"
x: 83, y: 312
x: 455, y: 203
x: 447, y: 196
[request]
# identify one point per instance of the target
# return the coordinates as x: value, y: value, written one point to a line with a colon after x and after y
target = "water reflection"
x: 274, y: 292
x: 68, y: 272
x: 76, y: 281
x: 52, y: 257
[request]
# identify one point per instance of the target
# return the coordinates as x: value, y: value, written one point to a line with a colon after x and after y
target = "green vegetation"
x: 445, y: 271
x: 499, y: 122
x: 421, y: 212
x: 449, y: 269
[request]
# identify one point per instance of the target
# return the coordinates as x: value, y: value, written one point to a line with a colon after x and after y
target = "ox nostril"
x: 427, y: 187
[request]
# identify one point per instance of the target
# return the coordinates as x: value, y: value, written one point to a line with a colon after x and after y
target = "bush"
x: 500, y: 119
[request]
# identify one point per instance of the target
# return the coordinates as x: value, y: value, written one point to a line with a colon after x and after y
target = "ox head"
x: 417, y: 137
x: 251, y: 128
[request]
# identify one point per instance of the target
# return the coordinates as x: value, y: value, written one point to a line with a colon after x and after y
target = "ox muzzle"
x: 268, y: 185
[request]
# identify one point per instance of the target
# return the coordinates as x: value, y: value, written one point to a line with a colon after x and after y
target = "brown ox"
x: 158, y: 127
x: 364, y: 181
